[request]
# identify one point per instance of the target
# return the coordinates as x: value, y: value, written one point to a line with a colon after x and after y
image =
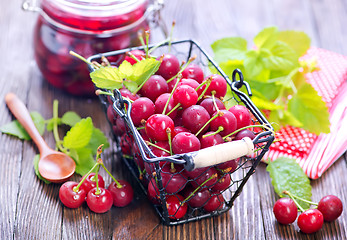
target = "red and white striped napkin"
x: 316, y: 154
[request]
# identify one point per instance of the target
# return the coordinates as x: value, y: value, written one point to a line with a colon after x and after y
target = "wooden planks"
x: 29, y: 209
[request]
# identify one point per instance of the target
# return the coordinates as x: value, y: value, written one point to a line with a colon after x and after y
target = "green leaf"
x: 266, y: 38
x: 144, y: 69
x: 126, y: 69
x: 14, y: 128
x: 286, y: 174
x: 36, y: 168
x: 107, y: 77
x: 232, y: 48
x: 283, y: 58
x: 84, y: 160
x: 263, y: 103
x: 309, y: 108
x: 50, y: 123
x: 132, y: 86
x: 70, y: 118
x: 253, y: 64
x: 298, y: 41
x: 98, y: 138
x: 79, y: 135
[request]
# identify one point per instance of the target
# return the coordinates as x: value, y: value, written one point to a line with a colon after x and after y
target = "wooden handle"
x: 22, y: 114
x: 223, y: 153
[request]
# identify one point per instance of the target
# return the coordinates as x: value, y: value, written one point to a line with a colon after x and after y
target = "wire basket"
x: 148, y: 169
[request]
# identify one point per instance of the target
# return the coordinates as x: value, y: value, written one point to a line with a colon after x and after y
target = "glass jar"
x: 86, y: 27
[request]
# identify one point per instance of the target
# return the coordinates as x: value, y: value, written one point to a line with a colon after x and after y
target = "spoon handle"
x: 22, y: 114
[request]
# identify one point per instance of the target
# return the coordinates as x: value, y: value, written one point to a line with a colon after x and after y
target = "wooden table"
x: 30, y: 209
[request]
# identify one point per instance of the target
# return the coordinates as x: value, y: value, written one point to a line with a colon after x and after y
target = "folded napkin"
x: 316, y: 154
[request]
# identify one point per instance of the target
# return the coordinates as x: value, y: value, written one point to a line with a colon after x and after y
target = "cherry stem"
x: 100, y: 92
x: 197, y: 189
x: 147, y: 41
x: 152, y: 144
x: 214, y: 101
x: 297, y: 204
x: 210, y: 120
x: 300, y: 198
x: 174, y: 88
x: 243, y: 128
x: 173, y: 109
x: 158, y: 45
x: 220, y: 128
x: 75, y: 189
x: 55, y: 127
x: 168, y: 132
x: 93, y: 64
x: 170, y: 37
x: 97, y: 192
x: 207, y: 83
x: 108, y: 172
x: 182, y: 68
x: 132, y: 56
x: 105, y: 61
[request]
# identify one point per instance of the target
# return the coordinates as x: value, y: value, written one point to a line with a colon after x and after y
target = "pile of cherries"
x: 91, y: 189
x: 328, y: 209
x: 180, y: 110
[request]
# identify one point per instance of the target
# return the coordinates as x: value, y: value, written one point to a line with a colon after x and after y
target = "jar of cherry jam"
x: 86, y: 27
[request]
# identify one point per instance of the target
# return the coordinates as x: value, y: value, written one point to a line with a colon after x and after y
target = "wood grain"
x: 30, y: 209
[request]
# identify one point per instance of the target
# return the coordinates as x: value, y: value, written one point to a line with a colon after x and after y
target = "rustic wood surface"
x: 30, y: 209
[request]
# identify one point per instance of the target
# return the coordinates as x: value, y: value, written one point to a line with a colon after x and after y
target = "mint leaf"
x: 229, y: 49
x: 309, y: 108
x: 143, y: 70
x: 266, y: 38
x: 79, y: 135
x: 14, y: 128
x: 253, y: 64
x: 50, y: 123
x: 286, y: 174
x: 97, y: 138
x: 298, y: 41
x: 107, y: 77
x: 283, y: 58
x: 70, y: 118
x: 84, y: 160
x: 36, y: 168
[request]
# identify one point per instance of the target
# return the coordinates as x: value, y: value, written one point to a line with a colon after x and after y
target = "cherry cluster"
x: 328, y: 209
x: 180, y: 110
x: 91, y: 189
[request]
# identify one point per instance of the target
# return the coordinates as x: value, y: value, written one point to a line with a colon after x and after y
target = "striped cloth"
x: 316, y: 154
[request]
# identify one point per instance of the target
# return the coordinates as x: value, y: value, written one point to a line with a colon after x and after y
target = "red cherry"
x: 99, y: 203
x: 176, y: 207
x: 216, y: 202
x: 198, y: 199
x: 310, y: 221
x: 194, y: 118
x: 185, y: 142
x: 142, y: 108
x: 285, y: 210
x: 157, y: 127
x: 169, y: 66
x: 122, y: 196
x: 185, y: 95
x: 193, y: 71
x: 90, y: 182
x: 242, y: 115
x: 71, y: 198
x: 331, y: 207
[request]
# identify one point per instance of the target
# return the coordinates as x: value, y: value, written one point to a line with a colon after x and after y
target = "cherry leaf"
x: 107, y: 78
x: 143, y: 70
x: 84, y: 160
x: 287, y: 175
x: 79, y: 135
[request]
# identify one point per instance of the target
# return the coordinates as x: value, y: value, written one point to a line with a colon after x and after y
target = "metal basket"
x: 134, y: 151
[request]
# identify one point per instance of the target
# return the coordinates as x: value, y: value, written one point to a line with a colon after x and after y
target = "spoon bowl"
x: 54, y: 166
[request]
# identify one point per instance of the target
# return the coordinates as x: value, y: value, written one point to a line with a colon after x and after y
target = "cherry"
x: 169, y: 66
x: 210, y: 105
x: 173, y: 178
x: 137, y: 53
x: 161, y: 102
x: 99, y: 202
x: 90, y: 182
x: 225, y: 119
x: 212, y: 140
x: 120, y: 126
x: 195, y: 117
x: 128, y: 94
x: 142, y: 108
x: 310, y: 221
x: 207, y: 179
x: 178, y: 130
x: 185, y: 142
x: 158, y: 151
x: 185, y: 95
x: 244, y: 133
x: 153, y: 192
x: 229, y: 166
x: 242, y: 115
x: 70, y: 197
x: 123, y: 194
x: 223, y: 183
x: 111, y: 114
x: 176, y: 207
x: 198, y: 199
x: 216, y: 202
x: 331, y: 207
x: 196, y: 173
x: 154, y: 87
x: 157, y: 127
x: 218, y: 86
x: 285, y: 210
x: 193, y: 71
x: 189, y: 82
x: 125, y: 144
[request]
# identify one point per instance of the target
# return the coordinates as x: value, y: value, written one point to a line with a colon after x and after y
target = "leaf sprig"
x: 277, y: 76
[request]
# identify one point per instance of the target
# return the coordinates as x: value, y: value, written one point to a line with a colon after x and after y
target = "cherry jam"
x: 86, y: 27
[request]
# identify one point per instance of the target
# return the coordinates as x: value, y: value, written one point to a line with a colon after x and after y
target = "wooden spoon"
x: 54, y: 166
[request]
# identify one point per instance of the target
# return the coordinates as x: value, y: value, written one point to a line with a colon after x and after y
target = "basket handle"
x: 218, y: 154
